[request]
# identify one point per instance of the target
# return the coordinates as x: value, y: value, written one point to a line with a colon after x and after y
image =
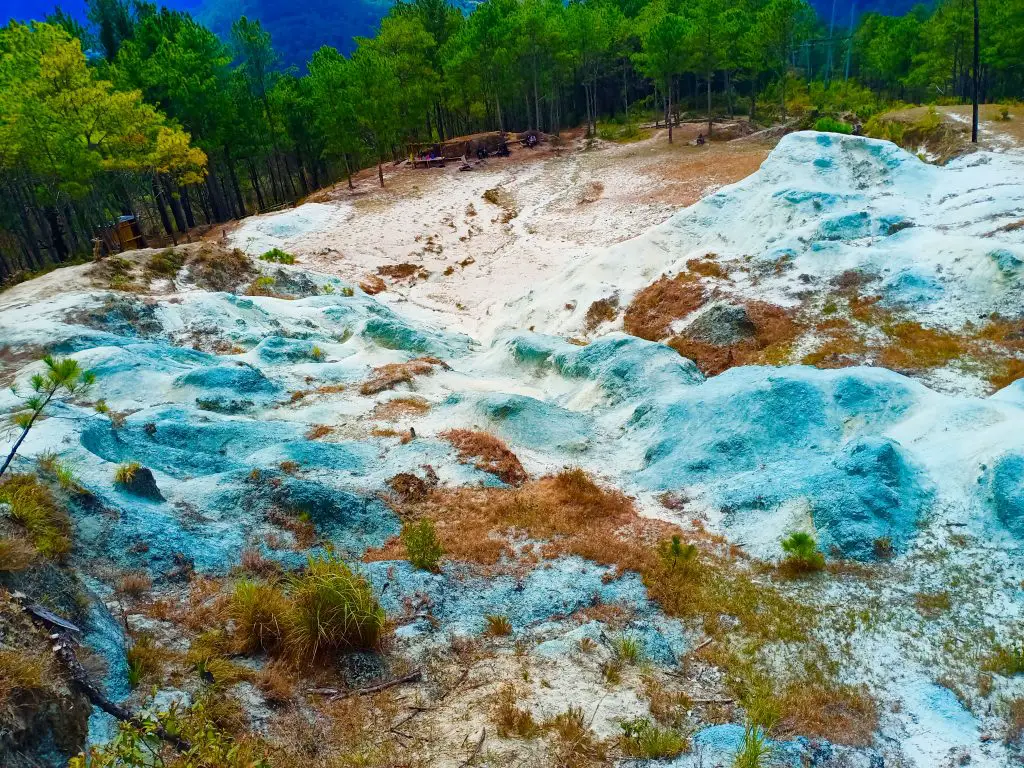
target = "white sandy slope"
x: 826, y: 204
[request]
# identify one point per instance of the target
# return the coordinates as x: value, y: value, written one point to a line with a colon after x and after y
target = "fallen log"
x: 336, y: 695
x: 64, y: 653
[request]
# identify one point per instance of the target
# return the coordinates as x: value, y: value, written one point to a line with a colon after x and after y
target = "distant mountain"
x: 860, y: 7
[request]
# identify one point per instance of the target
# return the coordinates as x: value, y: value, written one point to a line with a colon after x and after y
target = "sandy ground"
x: 554, y: 205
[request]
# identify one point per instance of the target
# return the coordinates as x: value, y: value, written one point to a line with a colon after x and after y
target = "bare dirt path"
x: 455, y: 245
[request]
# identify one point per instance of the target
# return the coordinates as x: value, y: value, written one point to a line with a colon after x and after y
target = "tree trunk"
x: 161, y: 209
x: 175, y: 201
x: 186, y: 206
x: 974, y: 78
x: 668, y: 108
x: 710, y: 122
x: 254, y: 177
x: 234, y: 182
x: 60, y: 247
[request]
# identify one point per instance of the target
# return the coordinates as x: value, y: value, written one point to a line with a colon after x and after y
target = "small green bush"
x: 278, y: 256
x: 628, y: 649
x: 678, y: 556
x: 642, y: 738
x: 334, y: 610
x: 831, y: 125
x: 802, y: 553
x: 422, y: 546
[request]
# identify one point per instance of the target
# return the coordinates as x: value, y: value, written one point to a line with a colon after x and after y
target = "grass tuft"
x: 34, y: 507
x: 334, y: 610
x: 125, y: 473
x: 491, y: 454
x: 260, y: 613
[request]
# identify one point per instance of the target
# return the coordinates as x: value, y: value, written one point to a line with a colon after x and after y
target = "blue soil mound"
x: 460, y: 601
x: 756, y: 438
x: 534, y: 423
x: 626, y: 367
x: 1006, y: 484
x: 180, y: 442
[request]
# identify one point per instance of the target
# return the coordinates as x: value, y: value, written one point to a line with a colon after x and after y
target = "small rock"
x: 722, y: 324
x: 142, y: 483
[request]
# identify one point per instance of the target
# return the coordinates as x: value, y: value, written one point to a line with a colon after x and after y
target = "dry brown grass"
x: 16, y: 553
x: 654, y: 308
x: 399, y: 271
x: 602, y: 310
x: 843, y: 714
x: 260, y: 612
x: 707, y: 267
x: 489, y: 453
x: 317, y: 431
x: 135, y: 584
x: 932, y: 604
x: 510, y: 719
x: 391, y: 375
x: 1014, y: 721
x: 913, y: 347
x: 276, y: 682
x: 327, y: 389
x: 37, y: 511
x: 253, y: 562
x: 23, y: 671
x: 398, y: 408
x: 217, y: 269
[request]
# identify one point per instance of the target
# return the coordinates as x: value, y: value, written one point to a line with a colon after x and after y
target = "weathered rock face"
x: 42, y: 720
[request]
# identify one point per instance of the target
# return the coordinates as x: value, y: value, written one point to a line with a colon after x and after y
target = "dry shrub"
x: 668, y: 707
x: 914, y: 347
x: 497, y: 625
x: 35, y: 508
x: 774, y: 330
x: 410, y: 487
x: 654, y: 308
x: 398, y: 408
x: 591, y: 193
x: 145, y: 659
x: 252, y: 561
x: 372, y: 285
x: 932, y: 604
x: 276, y: 683
x: 135, y: 584
x: 289, y: 467
x: 843, y: 714
x: 23, y: 671
x: 707, y: 267
x: 217, y: 269
x: 575, y: 745
x: 510, y: 719
x: 317, y: 431
x: 1014, y: 721
x: 602, y: 310
x: 491, y: 454
x: 399, y: 271
x: 16, y: 554
x: 391, y: 375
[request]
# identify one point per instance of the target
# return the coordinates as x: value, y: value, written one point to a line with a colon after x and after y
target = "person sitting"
x: 700, y: 139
